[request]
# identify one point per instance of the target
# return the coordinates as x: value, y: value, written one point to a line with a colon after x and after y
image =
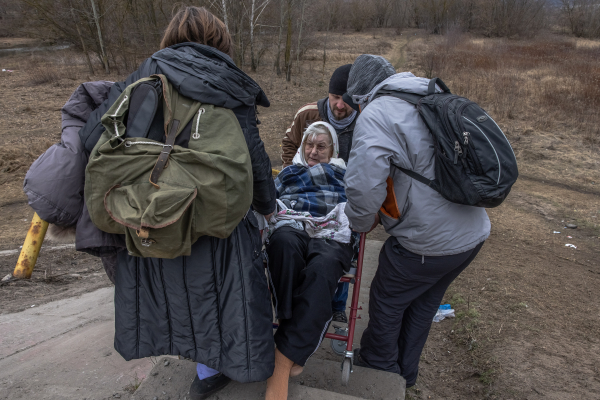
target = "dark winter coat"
x: 213, y: 306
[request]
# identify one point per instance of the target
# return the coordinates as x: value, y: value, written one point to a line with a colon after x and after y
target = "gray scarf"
x: 342, y: 123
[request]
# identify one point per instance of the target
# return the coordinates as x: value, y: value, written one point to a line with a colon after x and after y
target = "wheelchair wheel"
x: 346, y: 370
x: 338, y: 346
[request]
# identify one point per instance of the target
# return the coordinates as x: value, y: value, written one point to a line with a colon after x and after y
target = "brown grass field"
x: 528, y: 308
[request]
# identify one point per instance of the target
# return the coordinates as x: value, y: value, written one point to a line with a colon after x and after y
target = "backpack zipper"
x: 493, y: 148
x: 466, y: 136
x: 457, y: 151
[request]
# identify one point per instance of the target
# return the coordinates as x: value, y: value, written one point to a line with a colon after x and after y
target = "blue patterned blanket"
x: 316, y: 190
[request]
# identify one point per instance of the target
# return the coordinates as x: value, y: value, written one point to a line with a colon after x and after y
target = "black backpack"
x: 474, y: 162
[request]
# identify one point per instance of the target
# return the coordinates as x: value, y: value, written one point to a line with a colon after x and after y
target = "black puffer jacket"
x: 212, y: 306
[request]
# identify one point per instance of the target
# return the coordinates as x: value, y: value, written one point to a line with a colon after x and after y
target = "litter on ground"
x: 570, y: 245
x: 444, y: 311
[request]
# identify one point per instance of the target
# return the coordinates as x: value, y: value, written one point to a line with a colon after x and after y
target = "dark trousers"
x: 304, y: 273
x: 405, y: 294
x: 340, y: 298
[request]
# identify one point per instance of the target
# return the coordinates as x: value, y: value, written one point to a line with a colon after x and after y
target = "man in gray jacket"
x: 432, y: 240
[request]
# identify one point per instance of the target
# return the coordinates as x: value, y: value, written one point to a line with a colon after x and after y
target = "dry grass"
x: 555, y: 80
x: 54, y: 68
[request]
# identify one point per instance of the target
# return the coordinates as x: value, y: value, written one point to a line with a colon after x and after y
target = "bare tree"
x: 288, y: 40
x: 582, y: 17
x: 281, y: 22
x: 360, y: 14
x: 381, y: 12
x: 329, y: 10
x: 256, y: 10
x: 221, y: 7
x: 303, y: 5
x: 83, y: 46
x: 100, y: 41
x: 225, y: 19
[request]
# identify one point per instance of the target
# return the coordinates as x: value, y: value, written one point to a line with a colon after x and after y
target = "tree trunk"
x: 87, y: 55
x: 277, y: 60
x: 325, y: 48
x: 252, y: 59
x: 300, y: 36
x: 288, y: 43
x: 102, y: 52
x: 225, y: 19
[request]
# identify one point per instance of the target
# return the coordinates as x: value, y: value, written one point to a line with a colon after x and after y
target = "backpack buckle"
x: 147, y: 242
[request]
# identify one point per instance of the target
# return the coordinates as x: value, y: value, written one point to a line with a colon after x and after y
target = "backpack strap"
x: 431, y: 183
x: 408, y: 97
x: 440, y: 83
x: 164, y: 154
x: 413, y: 98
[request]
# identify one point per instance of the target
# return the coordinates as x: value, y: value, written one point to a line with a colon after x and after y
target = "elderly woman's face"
x: 317, y: 150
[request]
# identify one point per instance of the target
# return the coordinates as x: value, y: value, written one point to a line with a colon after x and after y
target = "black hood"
x: 207, y: 75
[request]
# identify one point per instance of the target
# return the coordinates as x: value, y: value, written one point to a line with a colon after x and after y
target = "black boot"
x: 340, y: 316
x: 358, y: 361
x: 201, y: 389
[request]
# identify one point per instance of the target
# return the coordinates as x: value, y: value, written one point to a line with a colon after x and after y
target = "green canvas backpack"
x: 162, y: 195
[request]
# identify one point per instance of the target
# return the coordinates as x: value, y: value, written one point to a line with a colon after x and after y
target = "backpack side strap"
x: 408, y: 97
x: 431, y: 183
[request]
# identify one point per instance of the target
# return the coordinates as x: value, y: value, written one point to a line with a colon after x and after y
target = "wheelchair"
x: 342, y: 339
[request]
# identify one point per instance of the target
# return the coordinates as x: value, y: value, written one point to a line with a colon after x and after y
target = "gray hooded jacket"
x: 390, y: 130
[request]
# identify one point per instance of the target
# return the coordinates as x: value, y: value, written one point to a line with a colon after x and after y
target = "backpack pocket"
x: 159, y: 222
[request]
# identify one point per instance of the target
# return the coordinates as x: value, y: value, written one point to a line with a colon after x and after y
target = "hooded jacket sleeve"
x: 374, y: 145
x: 263, y: 199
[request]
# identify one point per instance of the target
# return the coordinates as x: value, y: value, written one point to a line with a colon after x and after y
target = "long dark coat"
x: 212, y: 306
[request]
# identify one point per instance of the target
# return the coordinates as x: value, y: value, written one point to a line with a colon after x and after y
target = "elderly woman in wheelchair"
x: 308, y: 243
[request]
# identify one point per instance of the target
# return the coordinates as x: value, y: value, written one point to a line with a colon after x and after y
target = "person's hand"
x: 377, y: 220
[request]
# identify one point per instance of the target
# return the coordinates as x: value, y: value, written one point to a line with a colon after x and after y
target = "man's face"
x: 339, y: 109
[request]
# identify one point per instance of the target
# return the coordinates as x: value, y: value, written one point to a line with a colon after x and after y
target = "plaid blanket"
x: 316, y: 190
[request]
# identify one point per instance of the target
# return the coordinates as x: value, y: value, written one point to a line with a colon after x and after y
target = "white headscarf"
x: 299, y: 157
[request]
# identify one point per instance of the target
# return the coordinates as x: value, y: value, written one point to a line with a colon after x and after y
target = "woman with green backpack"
x: 209, y: 301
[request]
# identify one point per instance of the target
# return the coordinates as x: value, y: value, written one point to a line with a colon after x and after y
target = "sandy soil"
x: 527, y: 308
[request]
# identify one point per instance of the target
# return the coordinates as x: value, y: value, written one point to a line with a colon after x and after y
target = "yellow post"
x: 31, y: 248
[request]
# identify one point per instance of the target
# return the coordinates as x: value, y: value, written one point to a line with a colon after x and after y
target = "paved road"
x: 64, y: 349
